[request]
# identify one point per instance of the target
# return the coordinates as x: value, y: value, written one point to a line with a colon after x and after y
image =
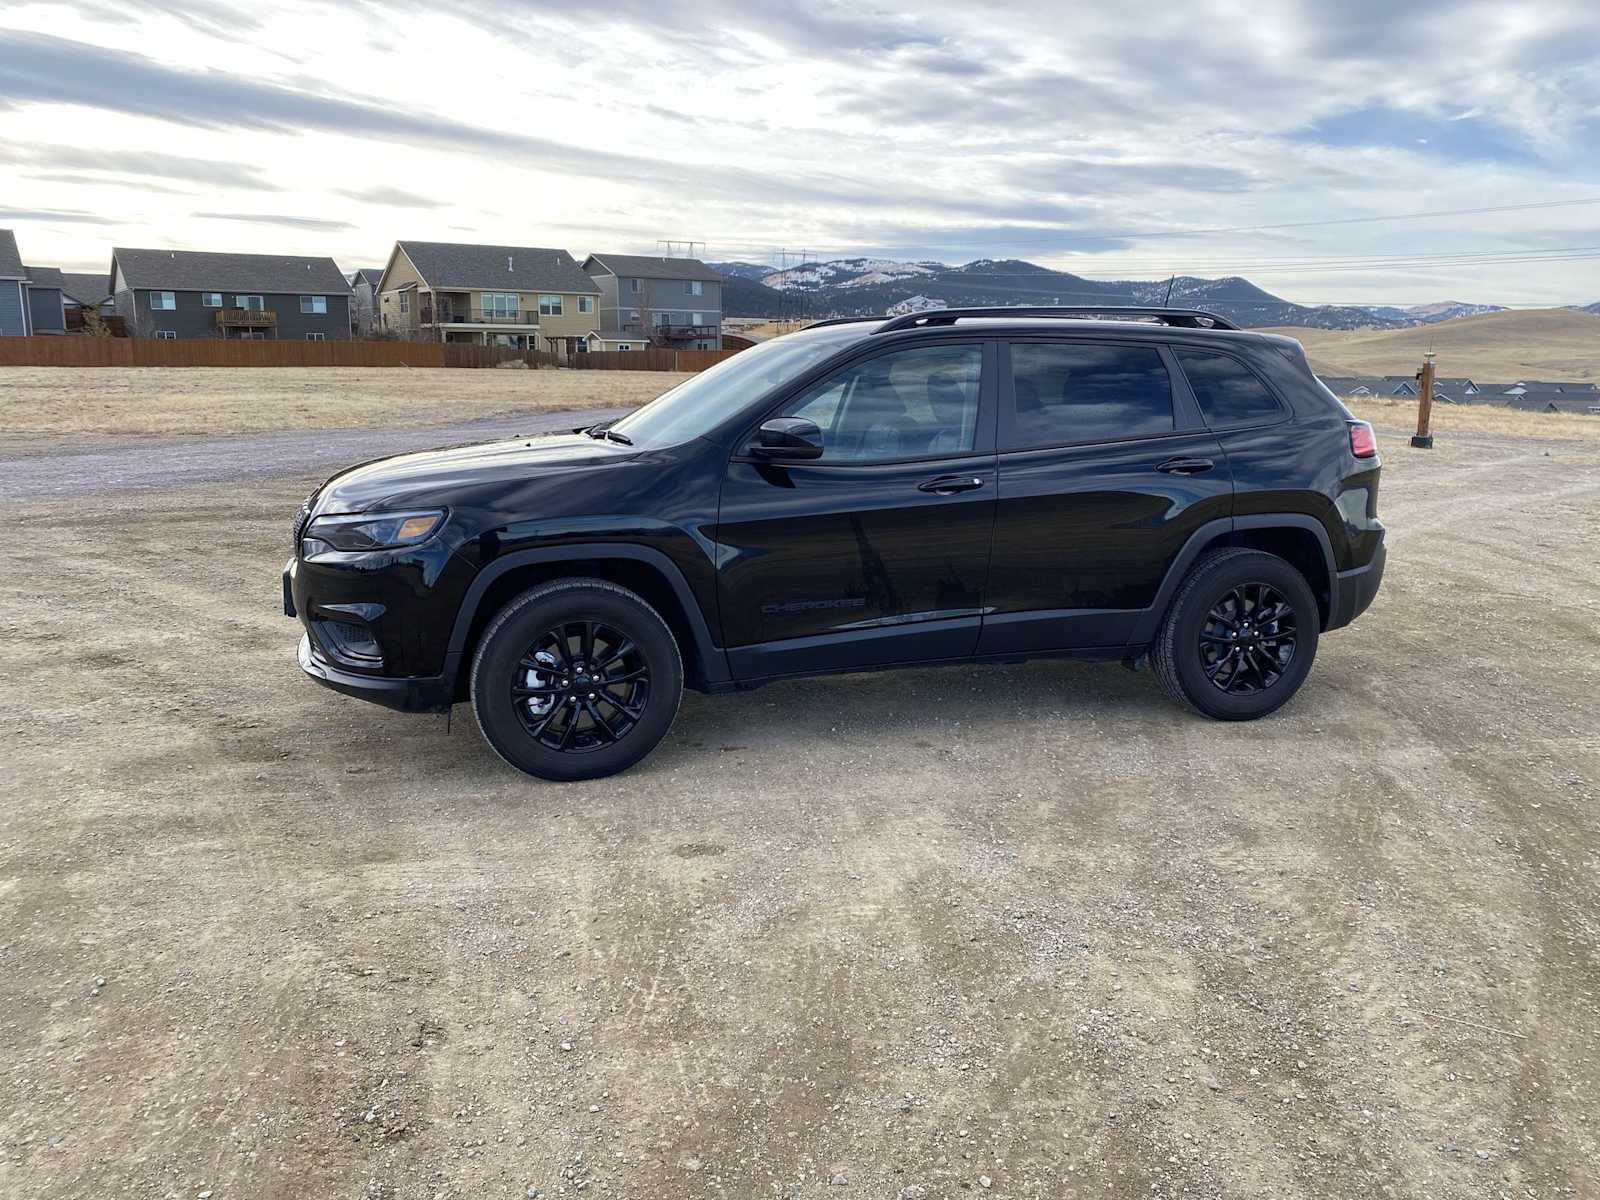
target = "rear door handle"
x: 1185, y: 466
x: 949, y: 485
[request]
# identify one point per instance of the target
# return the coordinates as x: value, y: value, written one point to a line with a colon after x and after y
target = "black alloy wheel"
x: 581, y: 686
x: 576, y: 679
x: 1248, y: 639
x: 1240, y: 635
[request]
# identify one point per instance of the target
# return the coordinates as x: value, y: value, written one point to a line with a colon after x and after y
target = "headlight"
x: 370, y: 531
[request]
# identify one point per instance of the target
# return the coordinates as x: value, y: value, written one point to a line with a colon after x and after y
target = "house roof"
x: 10, y: 260
x: 1349, y: 385
x: 205, y: 270
x: 1453, y: 381
x: 370, y: 274
x: 643, y: 266
x: 85, y: 289
x: 513, y: 268
x: 45, y: 277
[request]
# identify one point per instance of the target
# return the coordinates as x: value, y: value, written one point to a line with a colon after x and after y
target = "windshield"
x: 700, y: 404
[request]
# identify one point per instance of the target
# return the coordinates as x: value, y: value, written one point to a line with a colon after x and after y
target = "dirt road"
x: 95, y: 463
x: 1022, y: 931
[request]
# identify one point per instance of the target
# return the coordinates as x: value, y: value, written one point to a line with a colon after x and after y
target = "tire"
x: 1220, y: 676
x: 562, y: 722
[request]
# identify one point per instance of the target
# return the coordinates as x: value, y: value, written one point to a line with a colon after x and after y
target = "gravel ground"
x: 1023, y: 931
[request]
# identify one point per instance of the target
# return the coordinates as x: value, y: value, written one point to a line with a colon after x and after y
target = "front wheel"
x: 576, y: 679
x: 1240, y: 636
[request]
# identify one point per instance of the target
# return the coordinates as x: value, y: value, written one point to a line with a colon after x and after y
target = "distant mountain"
x: 741, y: 270
x: 1592, y: 308
x: 1432, y: 314
x: 868, y: 286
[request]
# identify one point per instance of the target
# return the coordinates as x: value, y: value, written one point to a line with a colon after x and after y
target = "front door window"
x: 916, y: 403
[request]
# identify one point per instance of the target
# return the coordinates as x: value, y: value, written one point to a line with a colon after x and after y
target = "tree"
x: 94, y: 325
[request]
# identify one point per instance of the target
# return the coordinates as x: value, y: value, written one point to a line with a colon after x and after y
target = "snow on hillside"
x: 847, y: 272
x: 913, y: 304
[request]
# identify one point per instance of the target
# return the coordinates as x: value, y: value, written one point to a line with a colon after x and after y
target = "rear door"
x: 1105, y: 470
x: 877, y: 552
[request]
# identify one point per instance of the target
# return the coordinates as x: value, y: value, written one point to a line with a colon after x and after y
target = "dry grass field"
x: 1495, y: 348
x: 1399, y: 414
x: 43, y: 402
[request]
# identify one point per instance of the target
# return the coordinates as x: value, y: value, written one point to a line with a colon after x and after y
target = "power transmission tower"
x: 669, y: 248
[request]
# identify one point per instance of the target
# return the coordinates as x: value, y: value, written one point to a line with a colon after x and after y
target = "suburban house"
x: 13, y: 288
x: 674, y: 302
x: 529, y: 297
x: 364, y: 284
x: 46, y: 309
x: 85, y: 291
x: 203, y: 294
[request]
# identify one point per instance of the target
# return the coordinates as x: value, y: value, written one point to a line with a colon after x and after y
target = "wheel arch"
x: 640, y: 569
x: 1298, y: 538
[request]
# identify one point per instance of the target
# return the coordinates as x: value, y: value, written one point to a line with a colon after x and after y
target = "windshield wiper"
x: 604, y: 430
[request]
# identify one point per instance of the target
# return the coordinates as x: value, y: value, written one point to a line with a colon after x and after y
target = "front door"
x: 878, y: 551
x: 1106, y: 469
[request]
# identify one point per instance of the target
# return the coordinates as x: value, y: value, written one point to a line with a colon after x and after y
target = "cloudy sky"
x: 1372, y: 151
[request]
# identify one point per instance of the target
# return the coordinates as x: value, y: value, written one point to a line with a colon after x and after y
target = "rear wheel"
x: 1240, y: 636
x: 576, y: 679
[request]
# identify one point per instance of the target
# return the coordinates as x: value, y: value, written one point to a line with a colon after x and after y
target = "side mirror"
x: 788, y: 438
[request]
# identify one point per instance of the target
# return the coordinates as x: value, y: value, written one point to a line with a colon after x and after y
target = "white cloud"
x: 847, y: 129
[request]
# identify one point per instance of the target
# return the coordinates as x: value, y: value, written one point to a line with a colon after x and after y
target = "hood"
x: 433, y: 475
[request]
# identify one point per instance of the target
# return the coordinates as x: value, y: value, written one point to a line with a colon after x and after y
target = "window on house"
x: 253, y: 303
x: 211, y: 299
x: 549, y: 306
x: 636, y: 285
x: 586, y: 304
x: 316, y: 337
x: 253, y: 335
x: 501, y: 306
x: 624, y: 346
x: 313, y: 304
x: 697, y: 318
x: 167, y: 335
x: 405, y: 302
x: 163, y: 301
x: 694, y: 287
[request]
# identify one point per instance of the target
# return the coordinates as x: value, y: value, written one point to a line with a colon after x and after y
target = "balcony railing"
x: 254, y: 318
x: 687, y: 331
x: 477, y: 316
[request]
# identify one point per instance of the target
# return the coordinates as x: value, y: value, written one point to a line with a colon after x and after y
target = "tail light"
x: 1363, y: 442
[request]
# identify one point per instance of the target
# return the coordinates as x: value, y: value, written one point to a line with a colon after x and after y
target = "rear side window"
x: 1229, y: 394
x: 1077, y: 392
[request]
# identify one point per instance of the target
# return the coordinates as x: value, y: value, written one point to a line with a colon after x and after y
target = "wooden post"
x: 1424, y: 438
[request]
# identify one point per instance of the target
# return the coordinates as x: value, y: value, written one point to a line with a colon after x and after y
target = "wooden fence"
x: 217, y: 352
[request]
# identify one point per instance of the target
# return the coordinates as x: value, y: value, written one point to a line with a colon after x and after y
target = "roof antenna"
x: 1167, y: 300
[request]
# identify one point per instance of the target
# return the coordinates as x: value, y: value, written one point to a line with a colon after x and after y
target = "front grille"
x: 302, y: 517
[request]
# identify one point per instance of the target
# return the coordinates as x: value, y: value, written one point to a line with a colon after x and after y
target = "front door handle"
x: 949, y: 485
x: 1185, y: 466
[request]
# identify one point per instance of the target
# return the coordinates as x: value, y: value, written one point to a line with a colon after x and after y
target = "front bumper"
x: 424, y: 693
x: 407, y: 693
x: 1353, y: 591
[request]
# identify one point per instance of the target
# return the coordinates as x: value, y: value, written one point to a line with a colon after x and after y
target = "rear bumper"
x: 1353, y: 591
x: 418, y: 693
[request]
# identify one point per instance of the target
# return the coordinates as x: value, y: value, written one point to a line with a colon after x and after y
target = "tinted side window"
x: 1073, y: 392
x: 905, y: 404
x: 1229, y: 394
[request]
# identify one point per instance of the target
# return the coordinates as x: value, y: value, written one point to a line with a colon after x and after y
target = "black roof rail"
x: 1183, y: 318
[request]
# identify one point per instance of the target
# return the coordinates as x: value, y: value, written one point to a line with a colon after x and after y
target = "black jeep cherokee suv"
x: 946, y: 486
